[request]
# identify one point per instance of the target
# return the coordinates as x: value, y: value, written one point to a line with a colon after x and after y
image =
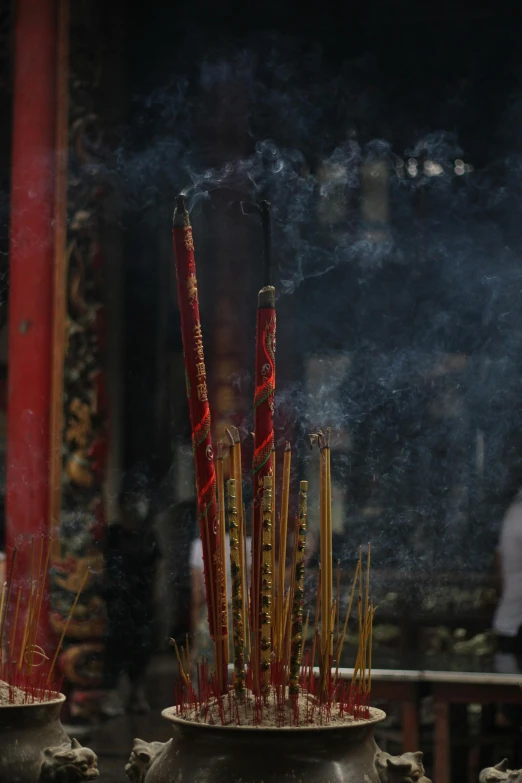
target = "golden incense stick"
x: 297, y: 611
x: 237, y: 592
x: 329, y: 582
x: 283, y: 532
x: 237, y: 474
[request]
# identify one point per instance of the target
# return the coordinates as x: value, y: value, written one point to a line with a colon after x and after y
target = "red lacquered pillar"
x: 31, y: 275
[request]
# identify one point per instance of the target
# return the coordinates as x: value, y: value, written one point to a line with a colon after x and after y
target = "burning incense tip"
x: 266, y: 297
x: 233, y: 434
x: 181, y: 216
x: 222, y: 449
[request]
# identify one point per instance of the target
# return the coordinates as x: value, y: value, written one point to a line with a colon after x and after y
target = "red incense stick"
x: 199, y: 417
x: 263, y: 427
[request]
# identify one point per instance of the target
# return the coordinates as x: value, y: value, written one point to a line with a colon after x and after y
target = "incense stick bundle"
x: 237, y: 591
x: 275, y: 613
x: 297, y: 611
x: 266, y: 587
x: 20, y: 671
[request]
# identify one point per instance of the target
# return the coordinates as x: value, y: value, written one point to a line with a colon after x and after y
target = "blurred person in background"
x: 201, y: 642
x: 131, y: 561
x: 507, y: 621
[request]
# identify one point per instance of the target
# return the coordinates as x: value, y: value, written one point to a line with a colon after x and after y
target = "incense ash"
x: 295, y: 712
x: 277, y: 680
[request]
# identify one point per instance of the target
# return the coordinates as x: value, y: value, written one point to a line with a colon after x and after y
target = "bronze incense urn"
x: 198, y: 752
x: 34, y: 747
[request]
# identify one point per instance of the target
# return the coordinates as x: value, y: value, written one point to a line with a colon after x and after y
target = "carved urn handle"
x: 68, y: 763
x: 500, y: 773
x: 400, y: 769
x: 142, y: 757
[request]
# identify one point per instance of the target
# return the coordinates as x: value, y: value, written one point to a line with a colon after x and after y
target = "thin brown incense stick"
x: 29, y: 612
x: 42, y: 592
x: 66, y: 626
x: 346, y: 619
x: 39, y: 594
x: 15, y: 623
x: 325, y: 609
x: 338, y: 605
x: 372, y: 614
x: 364, y: 651
x: 360, y: 573
x: 329, y: 582
x: 294, y: 574
x: 184, y: 676
x: 246, y: 594
x: 3, y: 611
x: 367, y: 594
x: 359, y: 649
x: 283, y: 533
x: 367, y: 608
x: 187, y: 648
x: 317, y: 615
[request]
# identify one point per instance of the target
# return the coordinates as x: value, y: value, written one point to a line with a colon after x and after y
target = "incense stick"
x: 266, y: 585
x: 283, y: 532
x: 66, y: 626
x: 297, y: 613
x: 347, y: 617
x: 223, y: 589
x: 3, y: 611
x: 237, y: 475
x: 15, y: 623
x: 237, y: 592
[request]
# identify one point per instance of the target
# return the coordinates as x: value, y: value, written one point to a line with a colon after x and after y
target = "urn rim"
x: 60, y: 698
x: 377, y: 715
